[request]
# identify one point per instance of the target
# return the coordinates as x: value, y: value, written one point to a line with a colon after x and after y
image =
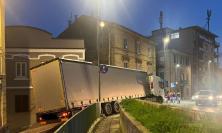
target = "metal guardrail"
x: 82, y: 121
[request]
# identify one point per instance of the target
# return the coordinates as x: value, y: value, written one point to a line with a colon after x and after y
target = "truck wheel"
x: 115, y: 107
x: 107, y: 108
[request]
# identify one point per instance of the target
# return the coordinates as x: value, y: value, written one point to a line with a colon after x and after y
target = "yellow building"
x: 119, y: 45
x: 2, y: 66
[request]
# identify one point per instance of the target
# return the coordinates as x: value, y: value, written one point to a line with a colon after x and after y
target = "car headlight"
x: 210, y: 97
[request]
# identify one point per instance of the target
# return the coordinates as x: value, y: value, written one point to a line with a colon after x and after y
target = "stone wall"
x: 129, y: 125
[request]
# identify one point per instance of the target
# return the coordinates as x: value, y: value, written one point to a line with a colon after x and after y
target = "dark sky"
x: 139, y: 15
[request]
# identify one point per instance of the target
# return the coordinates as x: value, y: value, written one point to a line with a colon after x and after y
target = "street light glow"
x: 210, y: 61
x: 166, y: 40
x: 178, y: 65
x: 102, y: 24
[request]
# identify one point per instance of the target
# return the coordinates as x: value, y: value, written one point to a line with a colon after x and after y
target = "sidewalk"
x: 110, y: 124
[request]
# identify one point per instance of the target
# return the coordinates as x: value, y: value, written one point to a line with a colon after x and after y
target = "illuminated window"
x: 21, y: 69
x: 125, y: 44
x: 175, y: 35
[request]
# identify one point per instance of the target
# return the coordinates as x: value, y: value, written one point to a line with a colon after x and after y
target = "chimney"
x: 76, y: 17
x: 70, y: 21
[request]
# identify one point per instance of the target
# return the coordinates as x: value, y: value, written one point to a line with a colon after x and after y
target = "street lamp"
x: 176, y: 75
x: 102, y: 24
x: 209, y: 72
x: 166, y: 41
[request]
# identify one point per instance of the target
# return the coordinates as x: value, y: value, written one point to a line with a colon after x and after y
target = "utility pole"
x: 161, y: 20
x: 3, y: 119
x: 208, y: 19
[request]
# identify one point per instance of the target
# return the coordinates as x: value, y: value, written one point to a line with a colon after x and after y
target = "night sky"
x: 139, y: 15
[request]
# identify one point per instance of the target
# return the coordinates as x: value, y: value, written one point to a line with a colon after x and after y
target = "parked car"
x: 206, y: 97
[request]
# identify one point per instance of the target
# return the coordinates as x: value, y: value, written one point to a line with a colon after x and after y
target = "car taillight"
x: 40, y: 118
x: 64, y: 114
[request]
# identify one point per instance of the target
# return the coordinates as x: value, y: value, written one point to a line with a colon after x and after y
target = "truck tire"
x: 107, y: 108
x: 115, y: 107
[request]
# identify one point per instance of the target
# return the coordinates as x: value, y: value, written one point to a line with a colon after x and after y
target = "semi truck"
x: 61, y: 86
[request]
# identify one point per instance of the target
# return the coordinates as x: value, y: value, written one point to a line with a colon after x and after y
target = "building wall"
x: 173, y: 74
x: 201, y: 46
x: 143, y: 60
x: 3, y: 118
x: 26, y: 48
x: 21, y: 86
x: 110, y: 40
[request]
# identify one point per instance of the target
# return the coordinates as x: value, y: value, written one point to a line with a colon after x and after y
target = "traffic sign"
x: 103, y: 68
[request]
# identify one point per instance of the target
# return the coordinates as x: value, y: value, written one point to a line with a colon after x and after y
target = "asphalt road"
x: 191, y: 105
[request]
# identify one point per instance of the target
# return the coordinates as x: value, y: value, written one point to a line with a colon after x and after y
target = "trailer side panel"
x: 81, y: 82
x: 47, y: 87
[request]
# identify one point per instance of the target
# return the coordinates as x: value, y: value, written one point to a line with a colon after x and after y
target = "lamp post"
x: 101, y: 25
x: 177, y: 67
x: 166, y: 41
x: 209, y: 73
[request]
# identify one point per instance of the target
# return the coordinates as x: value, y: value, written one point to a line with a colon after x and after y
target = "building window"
x: 161, y: 74
x: 174, y: 58
x: 125, y: 64
x: 21, y: 69
x: 162, y: 58
x: 181, y: 59
x: 187, y: 61
x: 149, y: 52
x: 138, y: 47
x: 21, y: 103
x: 125, y: 44
x: 175, y: 35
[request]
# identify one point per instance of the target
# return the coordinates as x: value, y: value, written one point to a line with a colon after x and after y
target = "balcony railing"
x: 217, y: 44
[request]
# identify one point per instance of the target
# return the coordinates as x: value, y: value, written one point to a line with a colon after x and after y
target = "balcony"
x: 216, y: 55
x: 217, y: 44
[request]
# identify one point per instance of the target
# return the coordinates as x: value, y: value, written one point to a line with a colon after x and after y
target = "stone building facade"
x: 119, y: 46
x: 3, y: 118
x: 27, y: 47
x: 174, y: 66
x: 202, y: 48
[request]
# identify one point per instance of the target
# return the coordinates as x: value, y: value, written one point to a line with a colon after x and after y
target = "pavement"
x: 110, y: 124
x: 48, y: 128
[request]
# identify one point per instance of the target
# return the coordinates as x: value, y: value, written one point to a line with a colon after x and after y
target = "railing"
x: 82, y: 121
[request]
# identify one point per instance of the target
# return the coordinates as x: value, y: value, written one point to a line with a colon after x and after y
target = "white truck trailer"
x: 60, y: 86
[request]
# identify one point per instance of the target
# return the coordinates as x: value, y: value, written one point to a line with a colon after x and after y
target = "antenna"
x: 161, y: 19
x: 70, y: 20
x: 208, y: 19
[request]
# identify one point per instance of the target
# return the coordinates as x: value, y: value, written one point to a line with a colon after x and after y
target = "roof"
x: 32, y: 37
x: 87, y: 18
x: 200, y: 29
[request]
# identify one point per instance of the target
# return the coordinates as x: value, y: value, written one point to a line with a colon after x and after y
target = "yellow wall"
x: 2, y: 66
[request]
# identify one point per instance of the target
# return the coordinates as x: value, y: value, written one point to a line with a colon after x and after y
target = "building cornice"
x: 28, y: 50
